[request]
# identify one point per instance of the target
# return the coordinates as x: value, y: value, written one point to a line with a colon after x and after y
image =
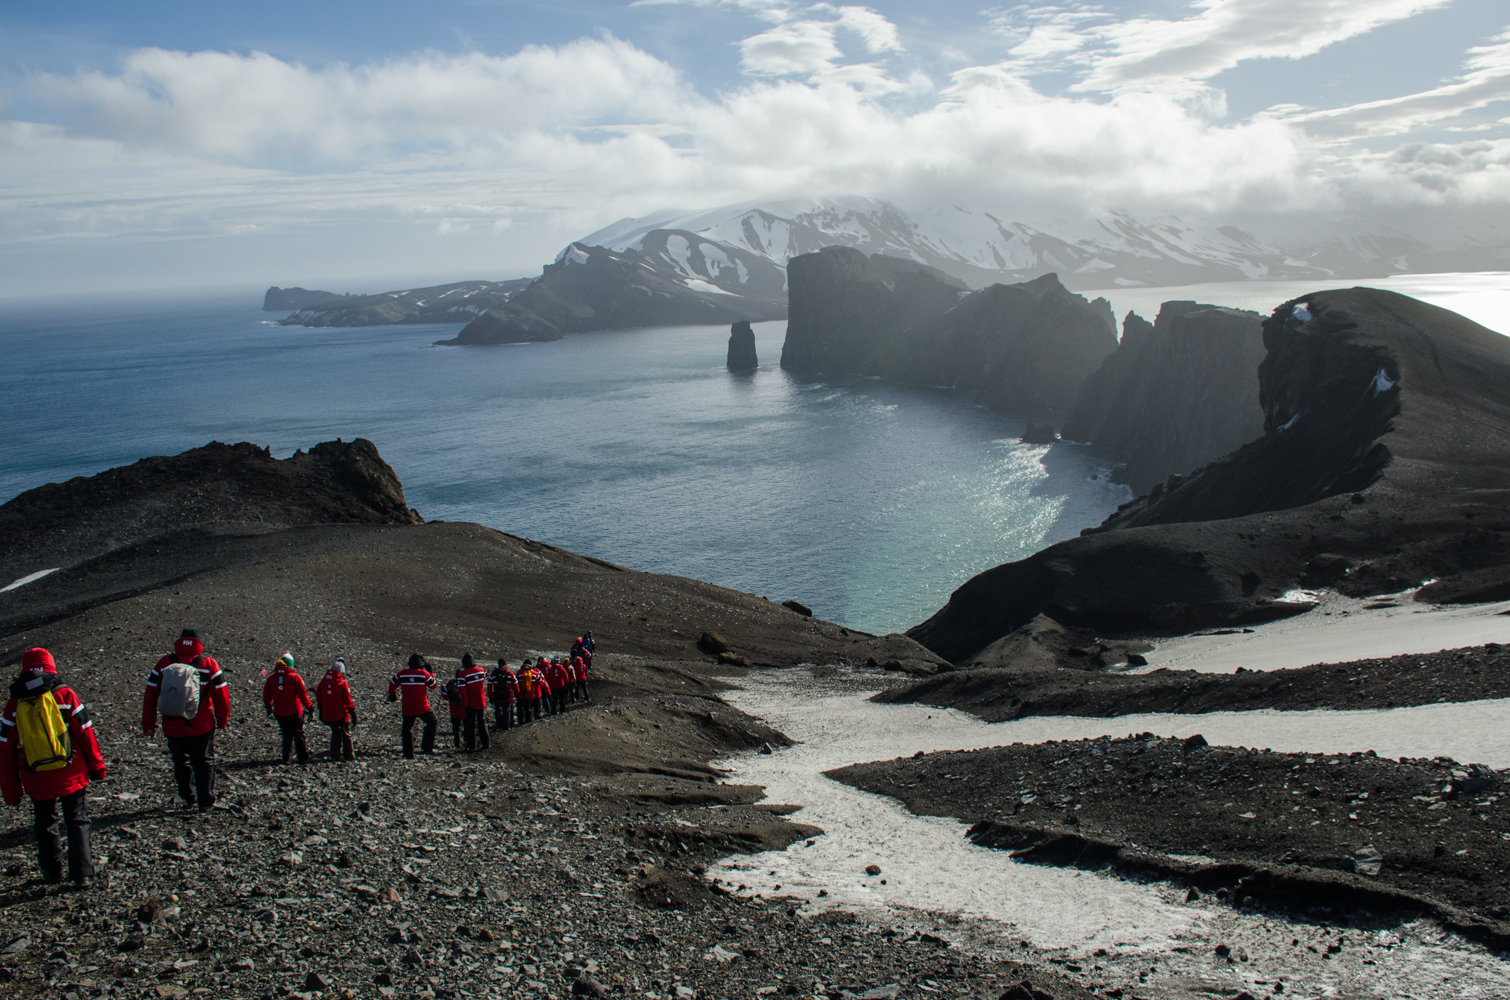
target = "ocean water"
x: 869, y: 502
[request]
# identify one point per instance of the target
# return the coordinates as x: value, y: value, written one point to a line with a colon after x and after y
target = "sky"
x: 357, y: 146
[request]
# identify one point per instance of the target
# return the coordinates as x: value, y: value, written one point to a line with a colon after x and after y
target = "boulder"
x: 712, y: 643
x: 742, y: 348
x: 799, y: 607
x: 1039, y: 434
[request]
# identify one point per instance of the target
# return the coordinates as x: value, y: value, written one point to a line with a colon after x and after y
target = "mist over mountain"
x: 1118, y: 249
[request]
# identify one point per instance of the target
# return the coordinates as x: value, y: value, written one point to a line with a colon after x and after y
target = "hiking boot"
x: 79, y: 884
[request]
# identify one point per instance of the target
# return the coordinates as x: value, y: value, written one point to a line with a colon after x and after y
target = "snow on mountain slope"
x: 981, y: 248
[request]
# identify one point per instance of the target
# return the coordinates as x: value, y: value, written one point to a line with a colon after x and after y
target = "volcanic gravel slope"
x: 1293, y: 830
x: 1449, y: 675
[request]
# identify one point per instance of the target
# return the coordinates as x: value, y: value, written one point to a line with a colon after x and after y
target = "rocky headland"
x: 742, y: 348
x: 1028, y: 346
x: 1175, y: 394
x: 670, y: 278
x: 1384, y: 464
x: 434, y: 304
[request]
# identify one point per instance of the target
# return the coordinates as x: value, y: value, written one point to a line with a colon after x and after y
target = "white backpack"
x: 178, y: 693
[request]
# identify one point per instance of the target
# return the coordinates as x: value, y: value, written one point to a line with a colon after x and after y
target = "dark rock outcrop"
x: 742, y: 348
x: 671, y: 278
x: 1176, y: 394
x: 1038, y: 434
x: 283, y: 299
x: 218, y: 487
x: 1387, y: 446
x: 1028, y: 346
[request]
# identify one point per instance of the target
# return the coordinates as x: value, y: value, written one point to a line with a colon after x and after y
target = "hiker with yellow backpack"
x: 48, y: 750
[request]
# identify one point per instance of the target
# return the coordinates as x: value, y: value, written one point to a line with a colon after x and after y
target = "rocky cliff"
x: 742, y: 348
x: 218, y: 487
x: 669, y: 279
x: 1385, y: 463
x: 1176, y: 394
x: 1025, y: 346
x: 285, y: 299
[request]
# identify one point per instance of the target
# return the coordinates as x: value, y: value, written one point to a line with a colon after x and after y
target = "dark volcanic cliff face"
x: 1027, y: 346
x: 217, y: 487
x: 1175, y: 395
x: 842, y: 304
x: 672, y: 279
x: 1386, y: 448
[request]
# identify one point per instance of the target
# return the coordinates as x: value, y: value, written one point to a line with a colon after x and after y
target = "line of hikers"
x: 539, y: 688
x: 49, y: 752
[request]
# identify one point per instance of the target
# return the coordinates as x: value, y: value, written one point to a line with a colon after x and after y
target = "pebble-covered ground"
x: 447, y: 876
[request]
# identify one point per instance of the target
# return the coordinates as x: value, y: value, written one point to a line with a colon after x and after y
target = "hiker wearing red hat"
x: 338, y: 710
x: 49, y: 751
x: 176, y: 689
x: 288, y: 701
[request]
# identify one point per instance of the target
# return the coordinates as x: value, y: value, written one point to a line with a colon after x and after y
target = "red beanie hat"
x: 38, y: 658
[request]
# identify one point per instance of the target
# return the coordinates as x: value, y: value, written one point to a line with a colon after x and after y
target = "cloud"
x: 1152, y: 53
x: 431, y: 156
x: 1486, y: 80
x: 237, y: 107
x: 801, y: 48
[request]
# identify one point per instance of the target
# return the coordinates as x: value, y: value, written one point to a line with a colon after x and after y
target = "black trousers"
x: 456, y: 730
x: 340, y: 740
x: 503, y: 714
x: 194, y: 758
x: 427, y: 741
x: 475, y: 729
x: 292, y: 727
x: 50, y: 845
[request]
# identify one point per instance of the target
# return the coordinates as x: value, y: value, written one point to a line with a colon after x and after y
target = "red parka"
x: 87, y: 762
x: 214, y: 694
x: 472, y: 682
x: 334, y: 697
x: 557, y: 677
x: 505, y: 685
x: 415, y: 683
x: 285, y: 692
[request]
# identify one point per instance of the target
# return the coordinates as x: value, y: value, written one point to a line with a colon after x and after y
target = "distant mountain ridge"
x: 1120, y: 249
x: 435, y: 304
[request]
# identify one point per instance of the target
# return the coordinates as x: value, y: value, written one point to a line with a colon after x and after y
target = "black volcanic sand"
x: 1275, y: 829
x: 998, y: 695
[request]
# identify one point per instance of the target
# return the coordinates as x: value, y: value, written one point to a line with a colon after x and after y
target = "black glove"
x: 353, y: 714
x: 269, y: 710
x: 392, y: 698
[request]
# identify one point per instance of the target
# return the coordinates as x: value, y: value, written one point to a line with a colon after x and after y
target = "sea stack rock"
x: 1175, y: 394
x: 742, y: 348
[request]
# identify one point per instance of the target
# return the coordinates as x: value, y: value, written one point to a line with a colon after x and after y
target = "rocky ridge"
x: 1384, y: 457
x: 669, y: 278
x: 1175, y: 394
x: 1028, y: 346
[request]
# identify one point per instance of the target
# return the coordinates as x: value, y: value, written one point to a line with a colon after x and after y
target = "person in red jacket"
x: 557, y: 677
x: 579, y: 679
x: 51, y: 787
x: 338, y: 710
x: 472, y: 680
x: 416, y: 682
x: 505, y: 694
x: 288, y: 701
x: 191, y: 741
x: 452, y: 692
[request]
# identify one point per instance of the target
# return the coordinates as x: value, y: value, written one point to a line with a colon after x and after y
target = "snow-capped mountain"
x: 981, y: 248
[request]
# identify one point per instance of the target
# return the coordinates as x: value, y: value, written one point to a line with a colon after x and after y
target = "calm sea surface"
x: 867, y: 501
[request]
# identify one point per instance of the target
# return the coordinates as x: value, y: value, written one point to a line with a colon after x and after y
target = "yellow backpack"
x: 43, y: 734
